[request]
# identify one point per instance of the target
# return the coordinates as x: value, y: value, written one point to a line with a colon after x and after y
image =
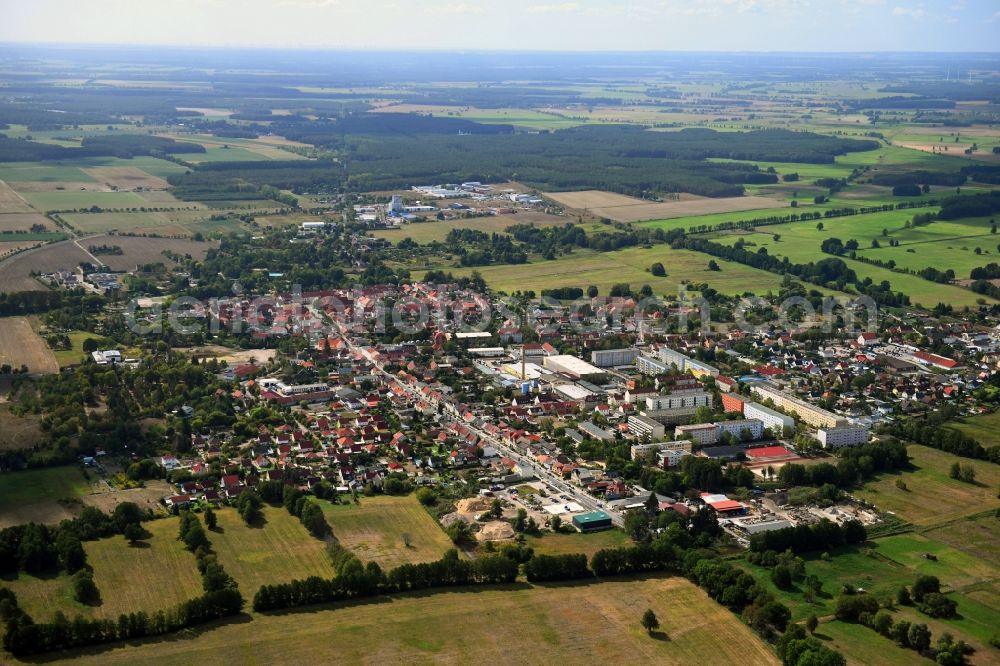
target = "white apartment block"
x: 642, y: 426
x: 670, y: 457
x: 679, y: 400
x: 841, y: 436
x: 738, y: 426
x: 647, y: 451
x: 702, y: 434
x: 770, y: 418
x: 809, y: 413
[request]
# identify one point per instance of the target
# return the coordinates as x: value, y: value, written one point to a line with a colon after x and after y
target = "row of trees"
x: 929, y: 431
x: 24, y: 637
x: 856, y: 464
x: 832, y: 271
x: 40, y: 548
x: 355, y: 580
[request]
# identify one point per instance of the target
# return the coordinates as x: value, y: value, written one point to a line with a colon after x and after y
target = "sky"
x: 556, y: 25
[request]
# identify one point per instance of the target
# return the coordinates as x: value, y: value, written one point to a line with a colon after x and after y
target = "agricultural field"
x: 561, y: 624
x: 278, y: 551
x: 605, y: 269
x: 67, y: 200
x: 45, y: 495
x: 20, y: 345
x: 53, y: 172
x: 234, y: 150
x: 126, y: 178
x: 527, y: 118
x: 437, y: 230
x: 138, y: 250
x: 9, y: 248
x: 23, y: 221
x: 11, y: 201
x: 15, y: 272
x: 373, y: 530
x: 630, y: 209
x: 931, y: 496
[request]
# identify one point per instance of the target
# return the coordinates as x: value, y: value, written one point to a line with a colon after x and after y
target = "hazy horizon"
x: 766, y: 26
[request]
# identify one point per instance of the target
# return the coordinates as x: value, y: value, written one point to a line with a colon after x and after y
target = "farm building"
x: 593, y: 521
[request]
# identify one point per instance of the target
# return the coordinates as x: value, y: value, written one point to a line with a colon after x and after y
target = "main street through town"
x: 525, y: 464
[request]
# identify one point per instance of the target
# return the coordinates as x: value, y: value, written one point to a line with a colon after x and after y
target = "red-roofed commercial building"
x: 728, y: 506
x: 935, y: 360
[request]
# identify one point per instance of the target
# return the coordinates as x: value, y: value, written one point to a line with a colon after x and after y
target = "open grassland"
x: 45, y: 495
x: 18, y: 432
x: 931, y: 496
x: 861, y: 646
x: 559, y: 544
x: 851, y: 566
x: 20, y: 345
x: 800, y: 242
x: 373, y: 530
x: 985, y: 428
x: 278, y: 551
x: 630, y: 209
x: 566, y: 624
x: 974, y: 622
x: 11, y: 201
x: 74, y: 355
x: 954, y: 567
x: 605, y: 269
x: 42, y: 596
x: 158, y: 573
x: 977, y: 536
x: 437, y: 230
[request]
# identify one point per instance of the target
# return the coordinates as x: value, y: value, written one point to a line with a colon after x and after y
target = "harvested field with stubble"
x: 23, y: 221
x: 9, y: 248
x: 126, y: 178
x: 561, y: 623
x: 15, y: 272
x: 11, y: 201
x: 138, y: 250
x: 19, y: 344
x: 630, y: 209
x: 437, y: 230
